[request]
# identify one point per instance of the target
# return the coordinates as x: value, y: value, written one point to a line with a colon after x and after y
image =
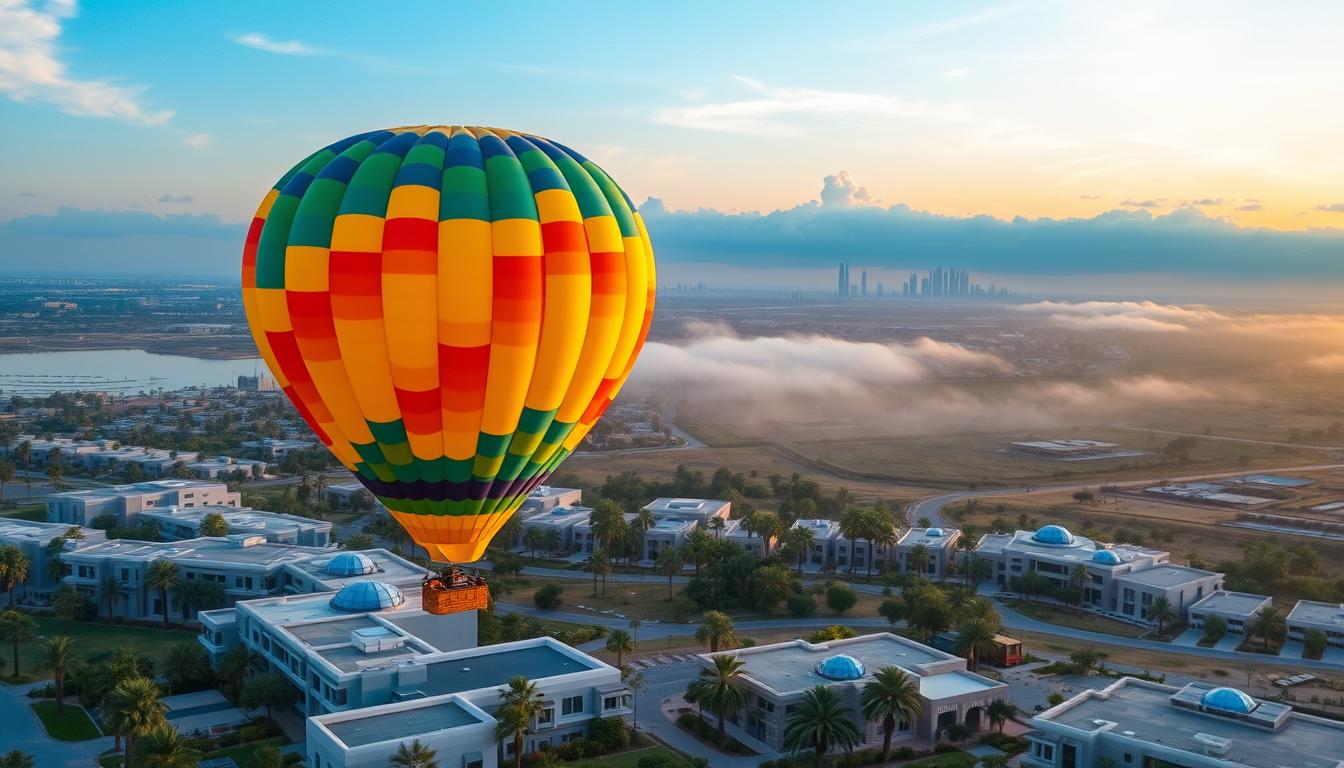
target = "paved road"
x: 664, y: 682
x: 23, y: 731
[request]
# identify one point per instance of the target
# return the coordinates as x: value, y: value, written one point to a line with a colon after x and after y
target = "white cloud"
x: 840, y: 190
x: 263, y: 43
x: 954, y: 74
x: 32, y: 71
x: 198, y: 140
x: 769, y: 103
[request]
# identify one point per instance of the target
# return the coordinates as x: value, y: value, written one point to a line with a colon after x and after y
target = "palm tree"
x: 853, y: 526
x: 551, y: 540
x: 415, y: 756
x: 669, y: 564
x: 17, y: 759
x: 975, y: 637
x: 600, y: 565
x: 57, y: 657
x: 635, y: 624
x: 716, y: 525
x: 799, y: 541
x: 108, y: 587
x: 1001, y: 711
x: 619, y: 643
x: 821, y: 721
x: 135, y: 711
x: 890, y: 696
x: 721, y: 689
x: 16, y: 628
x: 163, y: 576
x: 716, y: 631
x: 966, y: 543
x: 6, y: 476
x: 1161, y: 612
x: 24, y: 453
x: 520, y: 705
x: 55, y: 472
x: 884, y: 534
x: 919, y: 558
x: 163, y: 748
x: 13, y: 569
x: 533, y: 538
x: 1266, y: 623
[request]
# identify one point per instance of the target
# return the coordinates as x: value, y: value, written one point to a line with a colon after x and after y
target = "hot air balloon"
x: 451, y: 309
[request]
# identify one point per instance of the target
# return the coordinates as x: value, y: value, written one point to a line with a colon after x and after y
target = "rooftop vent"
x: 1208, y: 744
x: 374, y: 639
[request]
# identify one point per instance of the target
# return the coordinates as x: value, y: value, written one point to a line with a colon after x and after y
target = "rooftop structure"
x: 1324, y: 617
x: 699, y: 510
x: 126, y: 501
x: 1072, y: 450
x: 776, y: 676
x: 544, y: 497
x: 38, y: 586
x: 1209, y: 493
x: 1238, y: 609
x: 274, y: 449
x: 1198, y: 726
x: 176, y: 522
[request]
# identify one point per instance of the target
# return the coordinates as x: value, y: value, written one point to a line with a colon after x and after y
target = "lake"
x: 120, y: 371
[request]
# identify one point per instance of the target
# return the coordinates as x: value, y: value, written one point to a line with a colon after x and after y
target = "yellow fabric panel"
x: 252, y: 307
x: 460, y: 432
x: 466, y: 282
x: 364, y: 355
x: 410, y: 317
x: 636, y: 299
x: 428, y: 446
x: 564, y: 324
x: 515, y: 237
x: 507, y: 381
x: 604, y: 234
x: 306, y: 268
x: 357, y: 232
x: 331, y: 382
x: 557, y: 205
x: 413, y: 201
x: 604, y: 328
x: 274, y: 311
x: 264, y: 210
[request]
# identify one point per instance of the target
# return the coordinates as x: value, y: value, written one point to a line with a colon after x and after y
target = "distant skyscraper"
x: 840, y: 289
x: 879, y: 289
x: 863, y: 283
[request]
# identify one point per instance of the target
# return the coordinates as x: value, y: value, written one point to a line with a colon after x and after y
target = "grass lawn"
x: 94, y: 642
x: 71, y: 725
x: 35, y: 514
x: 948, y: 760
x: 1068, y: 617
x: 241, y: 754
x: 626, y: 759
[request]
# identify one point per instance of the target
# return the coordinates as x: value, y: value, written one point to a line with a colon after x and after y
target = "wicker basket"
x: 439, y: 598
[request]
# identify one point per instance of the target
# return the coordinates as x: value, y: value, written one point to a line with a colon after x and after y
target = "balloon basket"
x: 453, y: 590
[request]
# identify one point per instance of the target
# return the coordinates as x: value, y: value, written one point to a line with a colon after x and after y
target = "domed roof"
x: 1105, y: 557
x: 350, y: 564
x: 1053, y: 534
x: 840, y: 667
x: 934, y: 532
x: 367, y: 595
x: 1228, y: 700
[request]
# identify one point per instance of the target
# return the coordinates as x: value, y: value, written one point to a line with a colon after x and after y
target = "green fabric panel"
x: 619, y: 209
x: 510, y: 191
x: 464, y: 194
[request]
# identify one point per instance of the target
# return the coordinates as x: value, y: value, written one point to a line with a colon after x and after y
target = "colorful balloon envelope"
x: 451, y: 309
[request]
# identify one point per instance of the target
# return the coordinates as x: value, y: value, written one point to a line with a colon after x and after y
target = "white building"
x: 1146, y: 725
x: 829, y: 546
x: 1238, y: 609
x: 126, y: 501
x: 776, y: 676
x: 1123, y: 581
x: 32, y: 538
x: 217, y: 467
x: 275, y: 449
x: 1326, y: 617
x: 699, y: 510
x: 667, y: 532
x: 544, y: 498
x: 176, y: 523
x: 556, y: 525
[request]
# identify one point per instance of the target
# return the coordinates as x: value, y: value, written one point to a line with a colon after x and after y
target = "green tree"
x: 16, y: 628
x: 1268, y: 624
x: 24, y: 453
x: 54, y: 473
x: 533, y: 538
x: 820, y: 721
x: 6, y: 476
x: 357, y: 542
x: 1000, y: 711
x: 14, y: 567
x: 890, y: 696
x: 135, y: 711
x: 164, y: 748
x: 771, y: 586
x: 600, y: 566
x: 1161, y: 612
x: 233, y: 671
x: 267, y: 757
x: 270, y: 691
x: 549, y: 597
x: 975, y: 638
x: 927, y: 609
x: 716, y: 631
x: 188, y: 668
x: 620, y: 643
x: 214, y: 524
x: 722, y: 689
x: 1215, y: 627
x: 69, y: 604
x: 17, y: 759
x: 163, y: 575
x: 520, y: 704
x: 854, y: 525
x: 919, y: 558
x: 798, y: 541
x: 840, y: 597
x: 669, y: 564
x: 57, y: 656
x: 417, y: 755
x: 1313, y: 643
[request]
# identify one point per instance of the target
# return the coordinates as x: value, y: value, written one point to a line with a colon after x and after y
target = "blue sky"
x: 187, y: 112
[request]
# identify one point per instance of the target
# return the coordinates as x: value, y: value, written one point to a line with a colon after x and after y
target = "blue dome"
x: 1228, y: 700
x: 1053, y: 534
x: 367, y: 595
x: 934, y: 532
x: 1105, y: 557
x: 350, y: 564
x: 840, y: 667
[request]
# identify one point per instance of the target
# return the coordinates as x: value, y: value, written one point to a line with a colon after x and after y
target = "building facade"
x: 124, y: 502
x: 35, y: 539
x: 1328, y: 618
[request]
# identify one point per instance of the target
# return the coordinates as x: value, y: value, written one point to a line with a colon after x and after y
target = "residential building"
x: 555, y: 526
x: 667, y: 532
x: 345, y: 493
x: 177, y: 523
x: 33, y: 539
x: 126, y: 501
x: 217, y: 467
x: 776, y: 676
x: 939, y: 546
x: 275, y: 449
x: 699, y: 510
x: 1122, y: 581
x: 1238, y: 609
x: 1309, y: 614
x: 1148, y: 725
x: 544, y: 498
x: 824, y: 535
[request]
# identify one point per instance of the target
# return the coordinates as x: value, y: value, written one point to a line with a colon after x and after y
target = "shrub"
x: 840, y: 597
x: 549, y: 597
x: 684, y: 609
x: 802, y: 606
x: 611, y: 733
x: 661, y: 760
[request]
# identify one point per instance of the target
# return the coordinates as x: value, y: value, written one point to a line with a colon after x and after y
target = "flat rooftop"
x: 667, y: 506
x: 401, y: 724
x: 916, y: 536
x: 148, y: 486
x: 1144, y: 712
x: 1237, y: 603
x: 1165, y: 575
x: 791, y: 666
x: 202, y: 550
x: 392, y: 569
x: 949, y: 684
x: 1312, y: 612
x: 492, y: 666
x: 239, y: 518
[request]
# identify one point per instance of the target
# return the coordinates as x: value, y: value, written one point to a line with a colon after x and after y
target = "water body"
x: 119, y: 371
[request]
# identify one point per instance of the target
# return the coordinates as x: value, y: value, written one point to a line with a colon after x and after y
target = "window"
x: 547, y: 716
x: 338, y: 696
x: 125, y: 574
x: 609, y: 702
x: 572, y: 705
